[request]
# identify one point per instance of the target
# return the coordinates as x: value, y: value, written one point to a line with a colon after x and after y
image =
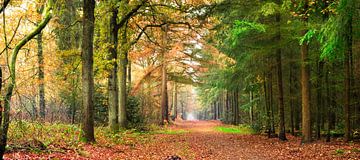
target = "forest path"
x: 193, y: 140
x: 197, y: 140
x: 200, y: 140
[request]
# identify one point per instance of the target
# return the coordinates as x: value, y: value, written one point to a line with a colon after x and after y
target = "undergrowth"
x: 41, y: 137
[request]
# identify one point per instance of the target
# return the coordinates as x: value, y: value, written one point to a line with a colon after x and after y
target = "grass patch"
x: 234, y: 129
x: 170, y: 131
x: 339, y: 152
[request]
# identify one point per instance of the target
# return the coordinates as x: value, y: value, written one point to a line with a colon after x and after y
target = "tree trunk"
x: 87, y: 71
x: 164, y: 92
x: 183, y: 110
x: 271, y: 100
x: 282, y: 135
x: 347, y: 80
x: 164, y: 95
x: 112, y: 79
x: 291, y: 92
x: 122, y: 81
x: 319, y: 99
x: 328, y: 104
x: 267, y: 106
x: 305, y: 92
x: 41, y: 76
x: 251, y: 112
x: 129, y: 75
x: 214, y: 111
x: 175, y: 100
x: 236, y: 107
x: 227, y: 107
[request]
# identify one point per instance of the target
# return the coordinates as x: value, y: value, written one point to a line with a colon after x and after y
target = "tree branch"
x: 6, y: 2
x: 12, y: 38
x: 125, y: 18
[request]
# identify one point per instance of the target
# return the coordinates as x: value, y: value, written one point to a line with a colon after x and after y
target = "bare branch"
x: 12, y: 38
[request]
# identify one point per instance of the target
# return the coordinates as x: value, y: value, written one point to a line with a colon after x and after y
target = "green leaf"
x: 308, y: 36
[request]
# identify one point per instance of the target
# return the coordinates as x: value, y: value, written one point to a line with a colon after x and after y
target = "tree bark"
x: 236, y: 107
x: 87, y: 71
x: 41, y: 76
x: 347, y: 81
x: 164, y: 92
x: 175, y: 100
x: 282, y: 135
x: 305, y: 92
x: 329, y: 104
x: 164, y: 95
x: 267, y: 105
x: 271, y: 104
x: 112, y: 79
x: 122, y: 81
x: 319, y: 99
x: 227, y: 107
x: 291, y: 92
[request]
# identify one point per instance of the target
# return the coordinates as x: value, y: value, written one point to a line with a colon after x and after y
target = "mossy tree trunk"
x: 41, y: 76
x: 112, y: 79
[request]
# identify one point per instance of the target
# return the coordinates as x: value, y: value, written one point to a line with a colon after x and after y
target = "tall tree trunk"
x: 347, y: 81
x: 236, y: 107
x: 112, y: 79
x: 271, y: 100
x: 164, y: 92
x: 267, y: 106
x: 291, y: 92
x: 87, y: 70
x: 164, y: 95
x: 328, y: 104
x: 227, y: 107
x: 282, y: 135
x: 122, y: 81
x: 233, y: 108
x: 319, y: 99
x: 305, y: 92
x: 41, y: 76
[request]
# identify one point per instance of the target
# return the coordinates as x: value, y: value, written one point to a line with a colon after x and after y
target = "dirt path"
x: 204, y: 142
x: 199, y: 140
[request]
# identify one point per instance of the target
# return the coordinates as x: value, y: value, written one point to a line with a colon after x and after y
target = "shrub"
x: 134, y: 115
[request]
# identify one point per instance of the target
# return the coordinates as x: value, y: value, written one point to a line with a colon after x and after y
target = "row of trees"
x: 303, y: 53
x: 100, y: 63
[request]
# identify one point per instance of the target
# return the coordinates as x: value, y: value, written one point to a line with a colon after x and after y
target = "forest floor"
x: 208, y: 140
